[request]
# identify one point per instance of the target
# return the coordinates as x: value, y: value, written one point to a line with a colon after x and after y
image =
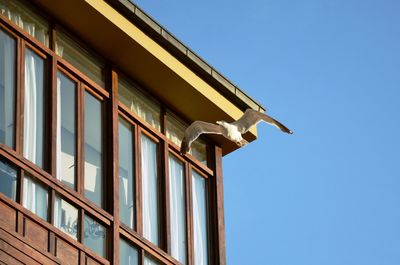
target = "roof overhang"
x: 141, y: 56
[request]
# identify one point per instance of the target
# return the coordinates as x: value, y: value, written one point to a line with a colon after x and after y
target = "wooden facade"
x: 26, y: 238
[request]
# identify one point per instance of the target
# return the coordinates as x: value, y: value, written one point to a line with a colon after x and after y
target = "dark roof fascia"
x: 136, y: 15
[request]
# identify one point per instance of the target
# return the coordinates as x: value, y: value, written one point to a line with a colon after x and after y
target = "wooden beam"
x: 220, y: 222
x: 114, y: 166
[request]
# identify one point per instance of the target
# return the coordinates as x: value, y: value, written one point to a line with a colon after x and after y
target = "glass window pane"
x: 200, y: 219
x: 94, y: 236
x: 177, y: 209
x: 35, y: 197
x: 23, y: 15
x: 80, y: 57
x: 93, y: 149
x: 175, y: 130
x: 139, y: 103
x: 66, y: 217
x: 66, y: 143
x: 126, y: 174
x: 34, y: 107
x: 128, y: 255
x: 150, y: 190
x: 8, y: 180
x: 7, y: 89
x: 148, y: 260
x: 199, y: 150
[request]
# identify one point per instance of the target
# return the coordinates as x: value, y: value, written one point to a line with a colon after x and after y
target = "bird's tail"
x: 242, y: 143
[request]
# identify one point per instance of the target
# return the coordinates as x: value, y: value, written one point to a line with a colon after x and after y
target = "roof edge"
x: 151, y: 27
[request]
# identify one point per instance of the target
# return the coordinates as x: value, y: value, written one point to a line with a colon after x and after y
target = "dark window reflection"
x: 7, y: 89
x: 8, y: 180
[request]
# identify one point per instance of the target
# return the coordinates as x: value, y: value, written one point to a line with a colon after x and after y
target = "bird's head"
x: 222, y: 123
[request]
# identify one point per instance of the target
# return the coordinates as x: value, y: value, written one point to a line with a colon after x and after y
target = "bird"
x: 232, y: 131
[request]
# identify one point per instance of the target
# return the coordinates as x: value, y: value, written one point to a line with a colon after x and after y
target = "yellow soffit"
x: 168, y: 59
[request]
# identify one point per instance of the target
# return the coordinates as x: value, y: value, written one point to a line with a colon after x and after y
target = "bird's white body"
x: 232, y: 132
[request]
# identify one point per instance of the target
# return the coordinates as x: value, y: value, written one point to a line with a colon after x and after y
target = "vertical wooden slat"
x: 51, y: 206
x: 18, y: 102
x: 21, y: 100
x: 115, y: 165
x: 189, y: 214
x: 138, y: 180
x: 52, y: 243
x: 82, y: 258
x: 219, y: 194
x: 166, y: 193
x: 53, y: 118
x: 134, y: 184
x: 20, y: 225
x: 141, y: 257
x: 79, y: 140
x: 20, y: 222
x: 53, y: 35
x: 160, y: 197
x: 163, y: 120
x: 19, y: 187
x: 52, y: 238
x: 81, y: 218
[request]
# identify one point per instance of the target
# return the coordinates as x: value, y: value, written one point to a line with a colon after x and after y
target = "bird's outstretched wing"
x: 195, y: 130
x: 252, y: 117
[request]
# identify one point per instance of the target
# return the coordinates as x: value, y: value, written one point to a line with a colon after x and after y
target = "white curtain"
x: 177, y: 212
x: 58, y: 132
x: 199, y: 220
x: 35, y: 198
x: 149, y: 190
x: 66, y: 217
x: 30, y: 108
x: 20, y: 15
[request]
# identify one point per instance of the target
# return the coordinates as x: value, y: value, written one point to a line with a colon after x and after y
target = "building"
x: 94, y: 99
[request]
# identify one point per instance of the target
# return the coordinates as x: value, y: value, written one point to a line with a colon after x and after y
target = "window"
x: 93, y: 150
x: 7, y: 89
x: 35, y: 197
x: 126, y: 174
x: 34, y: 107
x: 66, y: 217
x: 80, y: 57
x: 94, y: 236
x: 8, y: 180
x: 22, y: 14
x: 200, y: 223
x: 177, y: 209
x: 175, y: 131
x: 66, y: 132
x: 139, y: 103
x: 149, y: 260
x: 128, y: 255
x: 150, y: 191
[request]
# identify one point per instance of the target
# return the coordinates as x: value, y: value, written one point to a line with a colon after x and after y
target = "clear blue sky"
x: 330, y: 70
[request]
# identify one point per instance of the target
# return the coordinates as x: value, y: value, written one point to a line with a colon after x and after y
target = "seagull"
x: 232, y: 131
